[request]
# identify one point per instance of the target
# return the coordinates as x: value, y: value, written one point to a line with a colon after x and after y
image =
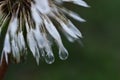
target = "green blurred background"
x: 98, y: 59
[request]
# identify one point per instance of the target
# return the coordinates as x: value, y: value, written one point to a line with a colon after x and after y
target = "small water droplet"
x: 63, y: 55
x: 49, y: 59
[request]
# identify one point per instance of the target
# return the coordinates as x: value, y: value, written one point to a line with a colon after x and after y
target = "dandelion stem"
x: 3, y: 69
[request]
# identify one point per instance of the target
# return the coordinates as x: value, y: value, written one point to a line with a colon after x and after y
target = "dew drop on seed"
x: 49, y: 59
x: 63, y: 55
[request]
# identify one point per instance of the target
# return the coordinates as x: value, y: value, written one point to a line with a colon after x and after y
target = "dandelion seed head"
x: 30, y: 26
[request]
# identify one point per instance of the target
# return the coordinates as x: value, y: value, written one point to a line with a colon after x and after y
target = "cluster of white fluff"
x: 39, y: 27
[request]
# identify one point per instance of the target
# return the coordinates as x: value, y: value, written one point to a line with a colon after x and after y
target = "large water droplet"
x: 49, y: 58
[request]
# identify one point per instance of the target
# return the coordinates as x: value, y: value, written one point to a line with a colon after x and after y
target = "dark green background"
x: 98, y: 59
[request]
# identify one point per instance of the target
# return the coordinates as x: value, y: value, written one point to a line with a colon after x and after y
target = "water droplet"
x: 49, y: 58
x: 63, y: 55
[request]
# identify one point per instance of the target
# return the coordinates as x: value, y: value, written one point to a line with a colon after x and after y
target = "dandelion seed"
x: 30, y: 24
